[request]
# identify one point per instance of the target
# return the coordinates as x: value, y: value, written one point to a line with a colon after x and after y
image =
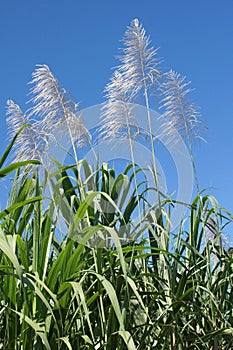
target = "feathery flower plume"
x: 52, y: 112
x: 28, y: 144
x: 53, y: 108
x: 137, y: 73
x: 179, y: 113
x: 116, y: 115
x: 139, y: 64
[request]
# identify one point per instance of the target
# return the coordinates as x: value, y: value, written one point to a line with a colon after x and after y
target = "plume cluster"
x: 138, y: 71
x: 51, y: 112
x: 137, y: 76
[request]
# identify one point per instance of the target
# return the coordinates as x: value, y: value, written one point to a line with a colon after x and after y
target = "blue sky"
x: 79, y: 39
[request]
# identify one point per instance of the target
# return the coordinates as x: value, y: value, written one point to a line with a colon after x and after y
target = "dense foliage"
x: 168, y: 290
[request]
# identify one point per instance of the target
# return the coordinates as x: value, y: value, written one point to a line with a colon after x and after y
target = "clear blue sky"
x: 78, y: 40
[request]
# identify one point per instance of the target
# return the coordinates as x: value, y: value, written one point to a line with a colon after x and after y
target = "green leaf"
x: 10, y: 168
x: 11, y: 144
x: 13, y: 207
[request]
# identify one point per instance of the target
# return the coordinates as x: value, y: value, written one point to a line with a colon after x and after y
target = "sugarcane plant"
x: 77, y: 271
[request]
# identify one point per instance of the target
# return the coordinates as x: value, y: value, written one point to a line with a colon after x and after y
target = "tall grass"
x: 70, y: 276
x: 55, y: 294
